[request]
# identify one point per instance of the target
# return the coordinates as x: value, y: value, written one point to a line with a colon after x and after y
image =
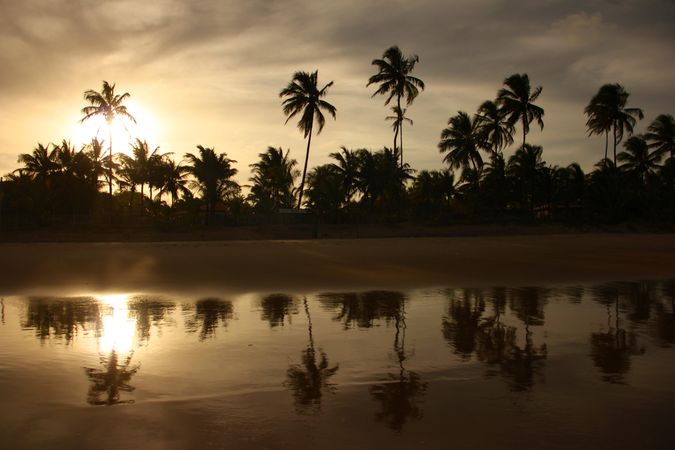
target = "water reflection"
x: 311, y: 377
x: 400, y: 395
x: 276, y: 308
x: 108, y: 381
x: 62, y: 318
x: 149, y: 312
x: 468, y: 331
x: 362, y: 309
x: 209, y: 313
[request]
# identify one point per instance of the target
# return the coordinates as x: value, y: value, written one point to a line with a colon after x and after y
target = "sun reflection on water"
x: 118, y: 327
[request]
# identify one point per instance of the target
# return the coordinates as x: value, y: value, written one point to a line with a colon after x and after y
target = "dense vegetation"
x: 58, y: 183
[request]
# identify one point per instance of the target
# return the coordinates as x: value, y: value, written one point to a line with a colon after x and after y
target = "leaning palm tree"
x: 462, y: 141
x: 110, y: 106
x: 661, y: 135
x: 494, y: 127
x: 302, y: 95
x: 397, y: 123
x: 517, y: 101
x: 212, y: 173
x: 394, y: 80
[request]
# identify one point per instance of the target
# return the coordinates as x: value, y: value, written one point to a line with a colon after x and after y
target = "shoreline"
x: 303, y: 266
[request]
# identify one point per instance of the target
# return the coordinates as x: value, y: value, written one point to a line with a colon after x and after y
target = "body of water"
x: 536, y: 367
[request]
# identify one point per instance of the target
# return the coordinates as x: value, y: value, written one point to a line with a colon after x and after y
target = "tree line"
x: 61, y: 182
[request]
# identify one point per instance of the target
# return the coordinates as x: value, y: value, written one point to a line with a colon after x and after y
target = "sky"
x: 209, y: 72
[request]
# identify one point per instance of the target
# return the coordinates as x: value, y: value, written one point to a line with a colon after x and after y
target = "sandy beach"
x: 219, y: 268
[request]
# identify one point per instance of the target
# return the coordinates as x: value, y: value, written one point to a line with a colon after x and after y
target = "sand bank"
x: 197, y: 268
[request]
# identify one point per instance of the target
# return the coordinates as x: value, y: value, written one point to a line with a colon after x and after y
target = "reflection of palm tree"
x: 361, y: 310
x: 276, y: 307
x: 308, y: 379
x: 399, y: 394
x: 461, y: 327
x: 304, y: 96
x: 148, y: 312
x: 110, y: 381
x: 209, y: 313
x: 61, y: 318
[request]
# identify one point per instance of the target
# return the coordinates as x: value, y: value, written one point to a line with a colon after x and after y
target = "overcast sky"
x: 209, y: 72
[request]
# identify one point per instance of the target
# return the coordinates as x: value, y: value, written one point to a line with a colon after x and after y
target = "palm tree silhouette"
x: 173, y: 181
x: 303, y: 96
x: 40, y: 164
x: 347, y: 165
x: 111, y: 380
x: 462, y: 141
x: 637, y: 160
x: 212, y: 173
x: 607, y: 110
x: 273, y: 178
x: 397, y: 124
x: 661, y: 135
x: 394, y: 79
x: 526, y: 166
x: 309, y: 379
x: 209, y: 314
x: 493, y: 126
x: 110, y: 106
x: 275, y: 308
x: 144, y: 162
x: 517, y: 101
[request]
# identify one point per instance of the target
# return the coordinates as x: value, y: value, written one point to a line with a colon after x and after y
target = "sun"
x: 124, y: 132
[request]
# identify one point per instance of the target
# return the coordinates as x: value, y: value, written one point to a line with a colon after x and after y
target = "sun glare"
x: 118, y: 327
x: 124, y: 132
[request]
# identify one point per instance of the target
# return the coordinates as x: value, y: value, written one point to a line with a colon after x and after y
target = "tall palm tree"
x: 174, y: 182
x: 526, y: 167
x: 212, y: 173
x: 637, y: 159
x: 397, y: 123
x: 661, y: 135
x: 394, y: 80
x: 608, y: 110
x: 41, y: 163
x: 110, y: 106
x: 517, y: 101
x: 462, y: 141
x: 146, y: 162
x: 302, y: 95
x: 493, y: 126
x: 95, y: 151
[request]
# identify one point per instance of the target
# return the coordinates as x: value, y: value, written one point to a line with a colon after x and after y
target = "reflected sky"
x: 357, y: 369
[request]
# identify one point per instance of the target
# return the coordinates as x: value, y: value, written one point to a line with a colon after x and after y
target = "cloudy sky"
x: 209, y: 72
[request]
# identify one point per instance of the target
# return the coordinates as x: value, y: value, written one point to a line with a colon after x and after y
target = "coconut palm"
x: 110, y: 106
x: 173, y: 182
x: 397, y: 124
x: 599, y: 114
x: 661, y: 135
x: 462, y: 141
x: 40, y: 164
x: 95, y: 152
x: 212, y: 174
x: 637, y: 159
x: 347, y: 165
x: 273, y: 179
x: 302, y: 95
x: 525, y: 167
x: 494, y: 127
x: 517, y: 101
x: 394, y: 80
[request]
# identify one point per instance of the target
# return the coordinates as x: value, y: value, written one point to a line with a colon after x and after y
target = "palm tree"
x: 95, y: 152
x: 637, y: 159
x: 212, y: 174
x: 517, y: 101
x: 347, y: 166
x: 397, y: 123
x: 146, y: 163
x: 463, y: 141
x: 526, y: 166
x: 273, y: 179
x: 494, y: 127
x: 394, y: 79
x: 40, y: 164
x: 661, y: 135
x: 607, y: 110
x: 173, y: 180
x: 110, y: 106
x: 303, y: 96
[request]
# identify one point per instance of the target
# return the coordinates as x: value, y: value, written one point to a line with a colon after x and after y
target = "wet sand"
x: 197, y: 268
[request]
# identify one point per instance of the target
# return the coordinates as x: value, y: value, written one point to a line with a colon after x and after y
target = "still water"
x: 536, y: 367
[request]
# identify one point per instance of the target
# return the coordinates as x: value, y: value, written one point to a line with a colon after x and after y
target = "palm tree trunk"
x: 110, y: 165
x: 606, y: 142
x: 400, y: 126
x: 614, y: 145
x: 142, y: 195
x: 304, y: 171
x: 401, y: 136
x: 524, y: 133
